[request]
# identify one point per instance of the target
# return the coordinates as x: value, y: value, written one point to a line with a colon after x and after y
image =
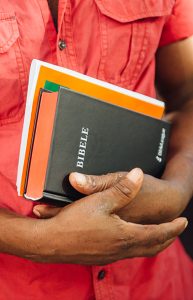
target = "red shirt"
x: 114, y: 41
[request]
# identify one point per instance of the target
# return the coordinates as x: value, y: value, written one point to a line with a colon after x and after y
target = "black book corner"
x: 94, y: 137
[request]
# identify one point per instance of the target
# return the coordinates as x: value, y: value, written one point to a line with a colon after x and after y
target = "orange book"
x: 41, y: 146
x: 41, y: 72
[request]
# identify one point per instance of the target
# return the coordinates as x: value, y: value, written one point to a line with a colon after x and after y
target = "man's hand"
x: 90, y: 232
x: 158, y: 200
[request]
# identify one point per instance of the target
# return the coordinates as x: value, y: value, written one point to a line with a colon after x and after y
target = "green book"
x: 52, y: 86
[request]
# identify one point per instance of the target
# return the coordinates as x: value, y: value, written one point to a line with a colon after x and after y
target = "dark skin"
x: 53, y: 5
x: 91, y: 231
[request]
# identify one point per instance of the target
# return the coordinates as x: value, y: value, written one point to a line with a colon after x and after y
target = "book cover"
x: 94, y: 137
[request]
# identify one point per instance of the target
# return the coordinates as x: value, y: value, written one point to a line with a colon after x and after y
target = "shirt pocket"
x: 130, y: 32
x: 12, y: 75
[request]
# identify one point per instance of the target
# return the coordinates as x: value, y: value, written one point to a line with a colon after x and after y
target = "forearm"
x: 19, y: 235
x: 179, y: 169
x: 165, y: 199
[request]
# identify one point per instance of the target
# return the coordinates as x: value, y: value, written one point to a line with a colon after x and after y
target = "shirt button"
x: 101, y: 274
x: 61, y: 45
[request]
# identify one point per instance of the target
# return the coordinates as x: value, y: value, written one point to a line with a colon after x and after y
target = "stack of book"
x: 75, y: 123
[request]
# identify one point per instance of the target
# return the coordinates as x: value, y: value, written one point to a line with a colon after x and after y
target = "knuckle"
x: 99, y: 183
x: 91, y: 182
x: 109, y: 179
x: 104, y: 181
x: 123, y: 190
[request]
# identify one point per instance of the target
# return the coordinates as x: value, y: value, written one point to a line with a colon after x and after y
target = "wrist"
x: 177, y: 198
x: 179, y: 172
x: 21, y: 236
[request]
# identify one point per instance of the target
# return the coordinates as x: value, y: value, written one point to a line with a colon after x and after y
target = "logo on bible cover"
x: 161, y: 146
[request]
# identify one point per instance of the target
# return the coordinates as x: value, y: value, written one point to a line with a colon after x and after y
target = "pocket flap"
x: 9, y: 32
x: 127, y: 11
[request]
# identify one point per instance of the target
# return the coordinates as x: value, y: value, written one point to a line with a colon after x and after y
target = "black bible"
x: 94, y: 137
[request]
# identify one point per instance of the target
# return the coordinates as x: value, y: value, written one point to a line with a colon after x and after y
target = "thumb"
x: 91, y: 184
x: 122, y: 193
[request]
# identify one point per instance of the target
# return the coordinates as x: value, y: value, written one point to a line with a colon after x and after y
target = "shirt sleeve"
x: 180, y: 24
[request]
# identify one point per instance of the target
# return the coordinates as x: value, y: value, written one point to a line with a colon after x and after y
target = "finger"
x: 152, y: 251
x: 46, y: 211
x: 121, y: 193
x: 167, y: 231
x: 90, y: 184
x: 152, y: 235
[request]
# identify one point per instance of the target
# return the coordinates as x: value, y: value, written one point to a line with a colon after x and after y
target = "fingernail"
x: 186, y: 224
x: 37, y: 213
x: 80, y: 179
x: 135, y: 175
